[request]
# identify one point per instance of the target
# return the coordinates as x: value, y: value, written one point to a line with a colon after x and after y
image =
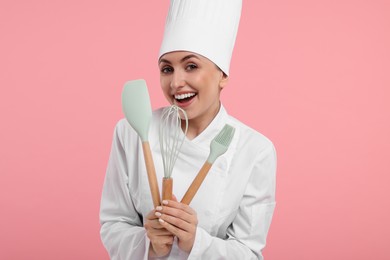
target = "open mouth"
x: 182, y: 98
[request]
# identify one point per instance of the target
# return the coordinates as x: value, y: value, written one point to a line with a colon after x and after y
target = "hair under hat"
x: 205, y: 27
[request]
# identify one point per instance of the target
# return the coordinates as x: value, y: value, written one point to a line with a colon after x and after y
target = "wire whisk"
x: 171, y: 137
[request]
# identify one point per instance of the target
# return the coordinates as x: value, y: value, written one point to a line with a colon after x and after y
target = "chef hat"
x: 205, y: 27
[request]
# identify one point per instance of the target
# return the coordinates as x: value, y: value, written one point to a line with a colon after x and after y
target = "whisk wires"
x: 171, y: 136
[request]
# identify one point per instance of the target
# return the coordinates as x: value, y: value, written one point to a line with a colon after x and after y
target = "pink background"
x: 313, y: 76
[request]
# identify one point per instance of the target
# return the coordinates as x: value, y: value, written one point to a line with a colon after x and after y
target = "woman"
x: 230, y: 215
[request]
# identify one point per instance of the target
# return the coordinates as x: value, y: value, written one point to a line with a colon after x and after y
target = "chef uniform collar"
x: 212, y: 129
x: 205, y: 27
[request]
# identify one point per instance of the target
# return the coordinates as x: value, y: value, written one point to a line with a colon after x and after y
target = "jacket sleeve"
x: 122, y: 231
x: 246, y: 235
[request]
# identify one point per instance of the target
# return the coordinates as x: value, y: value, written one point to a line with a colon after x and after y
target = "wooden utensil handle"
x: 167, y: 185
x: 151, y: 174
x: 196, y: 183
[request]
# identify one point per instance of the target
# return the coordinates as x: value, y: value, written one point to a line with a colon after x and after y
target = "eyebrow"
x: 182, y: 60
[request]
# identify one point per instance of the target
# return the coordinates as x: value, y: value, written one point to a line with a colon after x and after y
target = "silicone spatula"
x: 138, y: 112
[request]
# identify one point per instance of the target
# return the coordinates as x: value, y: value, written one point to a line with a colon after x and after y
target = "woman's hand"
x: 161, y: 240
x: 180, y: 220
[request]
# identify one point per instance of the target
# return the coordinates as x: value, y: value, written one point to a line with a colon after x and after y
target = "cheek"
x: 165, y: 89
x: 164, y: 84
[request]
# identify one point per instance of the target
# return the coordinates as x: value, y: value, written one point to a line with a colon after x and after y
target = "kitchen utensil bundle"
x: 138, y: 112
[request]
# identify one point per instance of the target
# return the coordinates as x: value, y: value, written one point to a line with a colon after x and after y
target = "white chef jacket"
x: 234, y: 204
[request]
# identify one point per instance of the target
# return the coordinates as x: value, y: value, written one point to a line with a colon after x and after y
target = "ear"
x: 223, y: 80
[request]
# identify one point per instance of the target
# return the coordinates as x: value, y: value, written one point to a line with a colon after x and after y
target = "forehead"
x: 181, y: 56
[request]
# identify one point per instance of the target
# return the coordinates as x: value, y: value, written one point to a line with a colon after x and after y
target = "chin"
x: 189, y: 114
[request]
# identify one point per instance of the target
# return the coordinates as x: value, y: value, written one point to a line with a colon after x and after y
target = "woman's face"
x: 193, y: 83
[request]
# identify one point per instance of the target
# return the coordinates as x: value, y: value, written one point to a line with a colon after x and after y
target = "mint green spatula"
x: 138, y: 112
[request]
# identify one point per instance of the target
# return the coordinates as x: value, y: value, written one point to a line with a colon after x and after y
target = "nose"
x: 177, y: 81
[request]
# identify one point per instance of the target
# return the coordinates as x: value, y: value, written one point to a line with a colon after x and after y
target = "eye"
x: 166, y: 70
x: 191, y: 66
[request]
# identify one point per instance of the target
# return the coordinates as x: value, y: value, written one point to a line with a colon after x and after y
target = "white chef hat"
x: 205, y: 27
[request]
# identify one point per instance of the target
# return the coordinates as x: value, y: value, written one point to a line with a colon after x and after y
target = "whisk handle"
x: 151, y: 171
x: 167, y: 186
x: 196, y: 183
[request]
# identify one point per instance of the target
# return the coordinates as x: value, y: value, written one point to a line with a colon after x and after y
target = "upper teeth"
x: 183, y: 96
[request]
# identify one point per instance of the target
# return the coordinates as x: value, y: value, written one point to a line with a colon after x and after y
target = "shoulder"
x: 250, y: 140
x: 124, y: 134
x: 122, y: 127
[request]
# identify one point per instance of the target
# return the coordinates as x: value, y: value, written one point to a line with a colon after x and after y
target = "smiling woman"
x: 311, y: 75
x: 231, y: 213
